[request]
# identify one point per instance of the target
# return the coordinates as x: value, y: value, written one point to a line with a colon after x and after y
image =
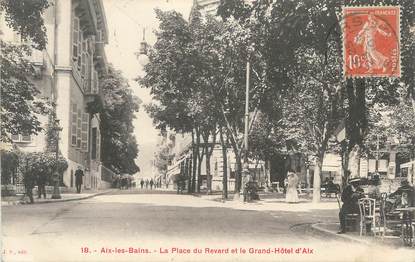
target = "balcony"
x: 85, y: 10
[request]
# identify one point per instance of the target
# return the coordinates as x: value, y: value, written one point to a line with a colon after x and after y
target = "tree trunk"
x: 267, y: 173
x: 238, y: 174
x: 209, y: 151
x: 194, y: 162
x: 189, y: 175
x: 317, y: 180
x: 199, y: 160
x: 225, y: 165
x: 208, y: 175
x: 345, y: 163
x: 199, y: 169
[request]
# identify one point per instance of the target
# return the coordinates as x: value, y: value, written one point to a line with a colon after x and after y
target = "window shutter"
x: 95, y: 85
x: 78, y: 130
x: 74, y: 122
x: 75, y: 40
x: 84, y: 132
x: 98, y: 145
x: 80, y: 39
x: 92, y: 44
x: 83, y: 65
x: 99, y: 36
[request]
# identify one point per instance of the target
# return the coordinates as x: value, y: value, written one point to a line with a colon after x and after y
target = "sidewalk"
x: 327, y: 225
x: 332, y: 228
x: 20, y: 200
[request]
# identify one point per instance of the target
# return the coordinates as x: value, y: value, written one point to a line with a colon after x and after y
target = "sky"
x: 126, y: 20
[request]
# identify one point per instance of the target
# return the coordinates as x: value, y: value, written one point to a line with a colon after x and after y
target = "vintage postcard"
x: 207, y: 130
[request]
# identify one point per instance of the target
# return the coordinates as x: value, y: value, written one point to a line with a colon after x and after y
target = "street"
x: 138, y: 226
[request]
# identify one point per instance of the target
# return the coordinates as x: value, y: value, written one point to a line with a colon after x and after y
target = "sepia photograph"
x: 207, y: 130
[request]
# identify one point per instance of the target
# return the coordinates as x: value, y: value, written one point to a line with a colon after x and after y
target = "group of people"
x: 123, y: 181
x: 148, y: 183
x: 404, y: 196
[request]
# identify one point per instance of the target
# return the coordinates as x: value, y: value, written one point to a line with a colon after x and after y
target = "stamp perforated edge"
x: 344, y: 48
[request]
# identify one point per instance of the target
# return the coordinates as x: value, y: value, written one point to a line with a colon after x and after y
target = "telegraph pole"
x: 245, y: 166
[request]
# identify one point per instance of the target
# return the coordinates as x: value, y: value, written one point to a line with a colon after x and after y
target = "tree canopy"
x: 25, y: 17
x: 119, y: 145
x: 20, y: 100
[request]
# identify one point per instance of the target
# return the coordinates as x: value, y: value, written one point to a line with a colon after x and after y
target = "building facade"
x: 68, y: 73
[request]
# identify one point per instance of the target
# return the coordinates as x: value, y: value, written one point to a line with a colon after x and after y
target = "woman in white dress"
x: 292, y: 196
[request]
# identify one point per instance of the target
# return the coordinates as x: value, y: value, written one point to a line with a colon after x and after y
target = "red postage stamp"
x: 371, y: 41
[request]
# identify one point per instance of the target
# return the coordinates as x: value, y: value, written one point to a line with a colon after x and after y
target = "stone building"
x: 68, y: 72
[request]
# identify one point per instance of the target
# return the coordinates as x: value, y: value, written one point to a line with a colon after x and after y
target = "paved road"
x: 163, y: 227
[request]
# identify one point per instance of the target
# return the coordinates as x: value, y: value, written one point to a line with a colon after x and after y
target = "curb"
x: 317, y: 227
x: 16, y: 203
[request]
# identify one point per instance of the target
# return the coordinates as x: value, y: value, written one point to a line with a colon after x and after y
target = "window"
x: 95, y: 83
x: 25, y: 138
x: 94, y: 143
x: 78, y: 130
x: 75, y: 39
x: 84, y: 132
x: 74, y: 123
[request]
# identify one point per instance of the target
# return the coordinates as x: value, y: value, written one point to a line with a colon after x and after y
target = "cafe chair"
x: 370, y: 217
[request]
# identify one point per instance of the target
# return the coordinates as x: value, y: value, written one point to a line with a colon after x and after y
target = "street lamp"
x: 142, y: 53
x: 245, y: 167
x: 56, y: 177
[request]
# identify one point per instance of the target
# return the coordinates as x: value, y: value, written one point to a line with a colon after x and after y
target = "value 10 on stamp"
x: 371, y: 41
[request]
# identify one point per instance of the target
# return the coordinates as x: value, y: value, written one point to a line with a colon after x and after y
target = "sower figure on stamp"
x: 78, y: 179
x: 350, y: 196
x: 366, y: 37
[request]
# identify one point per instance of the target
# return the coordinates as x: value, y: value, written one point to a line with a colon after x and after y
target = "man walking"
x: 151, y: 184
x: 78, y: 179
x: 41, y: 182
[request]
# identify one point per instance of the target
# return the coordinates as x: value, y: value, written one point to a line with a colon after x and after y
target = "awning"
x: 407, y: 165
x: 330, y: 168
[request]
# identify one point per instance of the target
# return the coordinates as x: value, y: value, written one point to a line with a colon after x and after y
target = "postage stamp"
x: 371, y: 41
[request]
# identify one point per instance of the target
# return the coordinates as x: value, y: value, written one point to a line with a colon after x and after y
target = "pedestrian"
x: 142, y: 183
x: 78, y: 179
x: 285, y: 184
x: 147, y: 183
x: 405, y: 195
x: 350, y: 197
x: 29, y: 184
x: 292, y: 183
x: 373, y: 190
x: 41, y: 183
x: 151, y: 184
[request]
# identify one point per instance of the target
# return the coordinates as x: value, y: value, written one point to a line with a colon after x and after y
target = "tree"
x: 9, y: 163
x: 20, y: 101
x: 25, y: 17
x: 34, y: 165
x: 119, y: 146
x: 164, y: 156
x: 312, y: 30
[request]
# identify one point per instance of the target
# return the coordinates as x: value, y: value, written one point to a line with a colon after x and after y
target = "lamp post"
x: 142, y: 53
x: 56, y: 177
x: 245, y: 167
